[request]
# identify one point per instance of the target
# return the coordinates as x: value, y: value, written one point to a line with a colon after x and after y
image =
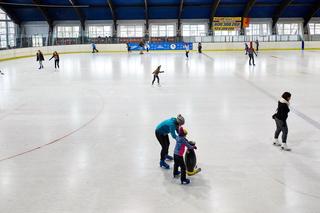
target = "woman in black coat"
x: 40, y: 58
x: 280, y: 118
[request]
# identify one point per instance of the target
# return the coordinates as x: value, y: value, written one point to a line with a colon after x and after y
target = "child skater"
x: 55, y: 55
x: 182, y: 142
x: 250, y: 53
x: 94, y: 48
x: 40, y: 58
x: 186, y: 46
x: 156, y: 75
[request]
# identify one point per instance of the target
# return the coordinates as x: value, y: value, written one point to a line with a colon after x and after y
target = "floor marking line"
x: 300, y: 114
x: 62, y: 137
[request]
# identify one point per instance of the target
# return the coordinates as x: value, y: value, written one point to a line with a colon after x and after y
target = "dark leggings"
x: 187, y: 54
x: 179, y: 162
x: 281, y: 127
x: 56, y: 63
x: 251, y: 57
x: 165, y: 143
x: 154, y: 78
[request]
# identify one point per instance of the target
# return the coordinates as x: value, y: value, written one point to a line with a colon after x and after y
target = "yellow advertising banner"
x: 226, y: 23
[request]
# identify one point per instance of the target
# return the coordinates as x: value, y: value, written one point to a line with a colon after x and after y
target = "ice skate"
x: 186, y: 181
x: 164, y: 165
x: 276, y: 142
x: 284, y: 147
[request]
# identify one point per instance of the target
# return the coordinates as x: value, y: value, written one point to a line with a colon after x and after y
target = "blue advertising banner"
x: 162, y: 46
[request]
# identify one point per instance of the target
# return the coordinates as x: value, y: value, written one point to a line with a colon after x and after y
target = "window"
x: 314, y: 28
x: 193, y: 30
x: 162, y: 30
x: 7, y: 31
x: 100, y: 31
x: 131, y: 31
x: 226, y: 33
x: 258, y: 29
x: 288, y: 29
x: 68, y: 31
x: 37, y: 41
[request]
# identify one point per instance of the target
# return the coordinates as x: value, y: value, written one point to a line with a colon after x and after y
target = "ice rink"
x: 82, y: 140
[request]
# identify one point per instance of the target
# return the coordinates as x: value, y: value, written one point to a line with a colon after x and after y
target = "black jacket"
x: 40, y: 57
x: 282, y: 111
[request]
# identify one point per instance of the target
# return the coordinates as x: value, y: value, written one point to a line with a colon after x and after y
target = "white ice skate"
x: 276, y: 142
x: 284, y: 147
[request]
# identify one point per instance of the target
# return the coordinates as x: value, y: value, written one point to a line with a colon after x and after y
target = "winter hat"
x: 182, y: 131
x: 180, y: 120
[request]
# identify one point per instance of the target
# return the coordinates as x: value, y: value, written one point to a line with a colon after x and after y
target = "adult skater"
x: 179, y: 150
x: 251, y: 56
x: 40, y: 58
x: 55, y: 55
x: 199, y: 47
x: 156, y: 75
x: 280, y: 118
x: 257, y: 45
x: 163, y: 129
x: 186, y: 47
x: 94, y: 48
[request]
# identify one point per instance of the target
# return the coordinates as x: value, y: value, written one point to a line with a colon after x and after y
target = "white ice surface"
x: 100, y: 111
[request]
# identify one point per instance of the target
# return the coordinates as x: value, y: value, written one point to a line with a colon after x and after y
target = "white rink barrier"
x: 86, y: 48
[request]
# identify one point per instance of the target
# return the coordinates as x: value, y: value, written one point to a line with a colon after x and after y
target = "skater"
x: 246, y: 48
x: 156, y: 75
x: 40, y: 58
x: 55, y: 55
x: 199, y: 47
x: 251, y: 56
x: 280, y: 118
x: 163, y: 129
x: 257, y: 45
x: 186, y: 47
x: 182, y: 142
x: 94, y: 48
x: 128, y: 48
x: 147, y: 46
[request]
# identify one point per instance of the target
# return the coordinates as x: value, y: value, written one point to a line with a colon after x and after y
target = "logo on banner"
x: 173, y: 46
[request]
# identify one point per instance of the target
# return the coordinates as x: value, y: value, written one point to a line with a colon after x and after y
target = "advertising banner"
x: 226, y: 23
x: 162, y: 46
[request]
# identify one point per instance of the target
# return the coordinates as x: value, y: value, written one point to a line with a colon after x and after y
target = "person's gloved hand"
x: 195, y: 147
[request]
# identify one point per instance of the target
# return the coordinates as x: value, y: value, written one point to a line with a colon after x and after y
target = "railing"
x: 42, y: 40
x: 246, y: 38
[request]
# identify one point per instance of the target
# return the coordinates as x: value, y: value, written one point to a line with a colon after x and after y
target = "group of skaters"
x: 174, y: 127
x: 55, y: 56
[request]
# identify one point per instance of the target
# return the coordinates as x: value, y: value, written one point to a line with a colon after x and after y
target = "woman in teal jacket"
x: 165, y: 128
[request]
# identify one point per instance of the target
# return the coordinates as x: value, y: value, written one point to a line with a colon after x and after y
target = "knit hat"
x: 180, y: 120
x: 182, y: 131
